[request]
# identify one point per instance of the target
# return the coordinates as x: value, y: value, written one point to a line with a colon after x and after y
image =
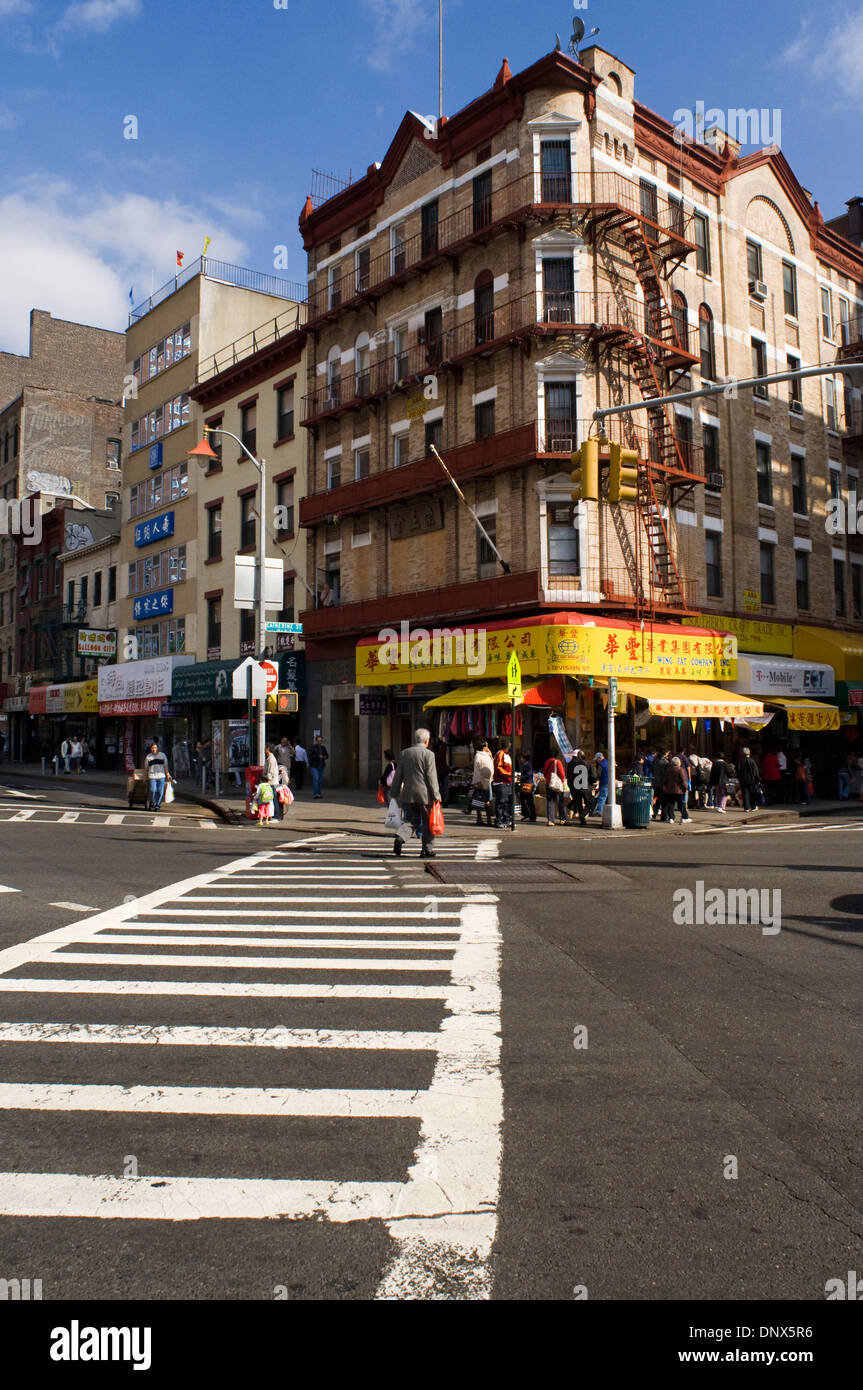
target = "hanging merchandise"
x: 707, y: 724
x: 679, y: 725
x: 694, y: 723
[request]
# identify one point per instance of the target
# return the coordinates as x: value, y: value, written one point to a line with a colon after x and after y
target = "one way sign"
x: 241, y: 680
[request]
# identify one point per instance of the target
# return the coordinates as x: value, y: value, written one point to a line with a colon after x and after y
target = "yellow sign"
x: 752, y: 600
x: 416, y: 406
x: 773, y: 639
x: 419, y: 655
x: 513, y: 679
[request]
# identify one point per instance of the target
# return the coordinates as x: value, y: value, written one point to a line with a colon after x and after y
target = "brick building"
x: 551, y: 249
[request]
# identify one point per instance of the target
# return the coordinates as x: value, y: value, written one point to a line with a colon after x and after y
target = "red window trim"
x: 247, y: 491
x: 286, y: 381
x: 214, y: 594
x: 250, y: 400
x: 208, y: 506
x: 283, y: 477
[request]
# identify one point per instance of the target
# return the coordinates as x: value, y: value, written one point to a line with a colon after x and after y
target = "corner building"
x: 550, y: 250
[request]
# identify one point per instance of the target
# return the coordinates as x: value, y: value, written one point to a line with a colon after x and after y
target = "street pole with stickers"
x: 513, y: 685
x: 612, y: 818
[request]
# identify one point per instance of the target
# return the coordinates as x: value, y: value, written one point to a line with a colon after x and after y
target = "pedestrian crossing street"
x: 326, y: 1015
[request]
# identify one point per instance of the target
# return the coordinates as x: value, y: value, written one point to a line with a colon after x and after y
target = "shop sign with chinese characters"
x: 156, y: 530
x: 415, y: 519
x: 692, y: 654
x: 154, y: 605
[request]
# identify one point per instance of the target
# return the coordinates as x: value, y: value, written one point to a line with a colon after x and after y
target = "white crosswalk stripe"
x: 137, y: 819
x: 334, y: 923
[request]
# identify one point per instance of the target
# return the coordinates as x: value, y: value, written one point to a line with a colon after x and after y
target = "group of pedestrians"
x: 74, y: 754
x: 284, y: 771
x: 492, y: 786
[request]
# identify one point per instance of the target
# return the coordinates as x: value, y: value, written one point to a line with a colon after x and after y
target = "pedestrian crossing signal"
x: 585, y: 472
x: 287, y: 702
x: 623, y: 474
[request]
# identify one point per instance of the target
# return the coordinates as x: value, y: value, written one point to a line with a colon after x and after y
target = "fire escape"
x: 618, y: 215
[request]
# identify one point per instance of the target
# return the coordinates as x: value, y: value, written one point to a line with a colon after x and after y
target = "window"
x: 558, y: 285
x: 754, y: 263
x: 70, y: 595
x: 560, y: 421
x: 759, y: 366
x: 398, y: 249
x: 707, y: 344
x: 764, y: 473
x: 713, y: 554
x: 649, y: 208
x: 683, y: 435
x: 710, y: 440
x: 363, y: 263
x: 401, y: 449
x: 857, y: 590
x: 835, y: 484
x: 111, y: 500
x: 826, y: 313
x: 433, y: 337
x: 97, y: 589
x: 434, y: 436
x: 248, y: 631
x: 830, y: 400
x: 334, y: 472
x: 679, y: 313
x: 482, y: 200
x: 285, y: 505
x: 215, y: 443
x: 483, y: 307
x: 334, y: 379
x: 486, y: 558
x: 112, y: 584
x: 702, y: 243
x: 484, y: 420
x: 362, y: 381
x: 429, y: 236
x: 400, y: 353
x: 84, y: 586
x: 798, y: 483
x: 563, y: 555
x: 556, y: 171
x: 844, y: 330
x: 795, y: 386
x: 789, y: 289
x: 801, y: 576
x: 839, y: 587
x: 675, y: 208
x: 113, y: 453
x: 361, y: 464
x: 768, y: 577
x: 287, y: 613
x: 214, y: 624
x: 247, y: 521
x: 334, y: 286
x: 248, y: 426
x: 362, y: 530
x: 332, y: 580
x: 214, y: 533
x: 285, y: 412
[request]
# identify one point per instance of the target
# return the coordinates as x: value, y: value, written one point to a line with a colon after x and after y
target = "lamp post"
x: 204, y: 456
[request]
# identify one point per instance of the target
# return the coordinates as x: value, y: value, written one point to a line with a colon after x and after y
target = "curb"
x: 223, y: 812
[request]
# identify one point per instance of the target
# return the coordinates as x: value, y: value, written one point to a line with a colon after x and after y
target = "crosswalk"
x: 313, y: 984
x: 60, y: 815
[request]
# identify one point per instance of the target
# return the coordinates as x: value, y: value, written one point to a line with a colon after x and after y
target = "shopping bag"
x: 381, y: 798
x: 436, y: 819
x: 169, y: 793
x: 394, y: 816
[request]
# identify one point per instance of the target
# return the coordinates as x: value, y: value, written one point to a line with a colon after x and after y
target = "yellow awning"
x: 807, y: 714
x: 482, y: 693
x: 692, y: 700
x: 841, y: 650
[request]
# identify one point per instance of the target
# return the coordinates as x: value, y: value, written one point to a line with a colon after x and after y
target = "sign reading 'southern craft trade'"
x: 146, y: 532
x: 408, y: 655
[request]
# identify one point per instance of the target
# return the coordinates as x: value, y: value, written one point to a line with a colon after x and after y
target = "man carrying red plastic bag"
x: 415, y: 788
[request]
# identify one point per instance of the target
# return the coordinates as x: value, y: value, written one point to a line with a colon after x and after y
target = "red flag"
x: 180, y: 255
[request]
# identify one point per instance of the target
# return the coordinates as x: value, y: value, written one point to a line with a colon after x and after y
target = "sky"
x: 235, y: 101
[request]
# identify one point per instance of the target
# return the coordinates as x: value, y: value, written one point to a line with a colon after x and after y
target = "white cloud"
x: 98, y: 15
x: 77, y: 254
x: 836, y: 54
x: 8, y: 7
x: 396, y: 25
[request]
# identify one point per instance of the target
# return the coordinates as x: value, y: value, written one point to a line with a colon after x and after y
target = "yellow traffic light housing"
x: 585, y: 472
x: 623, y: 474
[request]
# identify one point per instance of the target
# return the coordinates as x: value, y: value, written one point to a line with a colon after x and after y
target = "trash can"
x: 636, y: 803
x: 253, y: 777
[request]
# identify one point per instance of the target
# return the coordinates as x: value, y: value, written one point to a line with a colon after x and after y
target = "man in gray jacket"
x: 415, y: 788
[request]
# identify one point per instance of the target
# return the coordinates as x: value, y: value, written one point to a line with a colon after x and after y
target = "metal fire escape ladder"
x: 665, y: 575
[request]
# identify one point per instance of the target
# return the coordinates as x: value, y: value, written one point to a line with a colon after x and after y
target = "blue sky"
x: 237, y: 100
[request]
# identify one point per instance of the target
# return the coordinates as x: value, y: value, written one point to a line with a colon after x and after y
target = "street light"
x: 204, y: 456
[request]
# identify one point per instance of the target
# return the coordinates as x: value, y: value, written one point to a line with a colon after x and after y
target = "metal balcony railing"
x: 594, y: 195
x: 851, y: 332
x: 225, y: 274
x: 270, y: 332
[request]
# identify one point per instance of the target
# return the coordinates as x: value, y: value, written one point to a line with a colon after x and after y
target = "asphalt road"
x: 338, y: 1104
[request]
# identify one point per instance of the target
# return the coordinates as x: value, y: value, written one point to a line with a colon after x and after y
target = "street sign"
x: 612, y: 690
x: 260, y: 680
x: 513, y: 679
x: 272, y: 673
x: 285, y: 627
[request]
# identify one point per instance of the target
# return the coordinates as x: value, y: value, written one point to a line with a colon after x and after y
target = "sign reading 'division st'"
x: 154, y: 605
x: 156, y: 530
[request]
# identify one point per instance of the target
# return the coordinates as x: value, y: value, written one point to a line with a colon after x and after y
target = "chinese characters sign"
x: 154, y: 605
x: 156, y: 530
x: 92, y: 643
x: 415, y: 519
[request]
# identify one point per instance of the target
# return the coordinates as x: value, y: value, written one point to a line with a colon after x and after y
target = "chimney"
x: 855, y: 220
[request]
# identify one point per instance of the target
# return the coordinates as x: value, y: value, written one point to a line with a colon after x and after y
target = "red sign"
x: 129, y: 746
x: 109, y: 708
x: 855, y: 697
x: 272, y: 672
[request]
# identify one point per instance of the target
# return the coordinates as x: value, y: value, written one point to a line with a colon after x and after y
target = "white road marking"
x: 226, y: 989
x: 115, y: 820
x: 4, y: 889
x: 243, y: 962
x: 322, y: 932
x: 133, y: 1035
x: 30, y: 796
x: 278, y: 943
x: 68, y: 817
x: 75, y: 907
x: 22, y: 815
x: 222, y: 1100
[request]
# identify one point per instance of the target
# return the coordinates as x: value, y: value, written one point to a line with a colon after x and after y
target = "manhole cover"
x: 494, y: 871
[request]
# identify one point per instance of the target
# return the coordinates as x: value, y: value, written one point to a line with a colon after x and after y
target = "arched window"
x: 362, y: 377
x: 483, y: 307
x: 678, y: 315
x: 334, y: 377
x: 615, y: 83
x: 706, y: 343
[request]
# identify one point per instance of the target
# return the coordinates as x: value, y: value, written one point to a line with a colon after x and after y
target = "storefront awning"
x: 842, y: 650
x: 769, y: 677
x: 807, y: 714
x: 691, y: 700
x: 548, y: 694
x: 76, y: 697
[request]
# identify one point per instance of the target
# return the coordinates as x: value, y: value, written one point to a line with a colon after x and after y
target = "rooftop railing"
x: 225, y: 274
x: 282, y: 326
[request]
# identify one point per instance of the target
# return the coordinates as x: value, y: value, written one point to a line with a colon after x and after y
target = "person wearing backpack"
x: 263, y: 800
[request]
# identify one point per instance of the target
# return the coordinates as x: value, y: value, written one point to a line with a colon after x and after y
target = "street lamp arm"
x: 209, y: 429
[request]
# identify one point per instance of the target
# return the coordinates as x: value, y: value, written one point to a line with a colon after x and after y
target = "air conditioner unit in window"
x: 758, y: 290
x: 796, y: 407
x: 715, y: 481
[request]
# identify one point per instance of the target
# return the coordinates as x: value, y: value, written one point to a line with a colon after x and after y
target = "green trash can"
x: 636, y: 803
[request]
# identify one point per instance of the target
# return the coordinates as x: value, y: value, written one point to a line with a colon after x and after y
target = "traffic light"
x: 623, y: 474
x: 585, y: 472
